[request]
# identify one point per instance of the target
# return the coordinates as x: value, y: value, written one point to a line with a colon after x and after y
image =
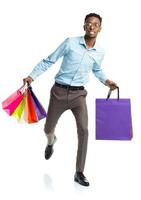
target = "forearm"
x: 40, y: 68
x: 101, y: 76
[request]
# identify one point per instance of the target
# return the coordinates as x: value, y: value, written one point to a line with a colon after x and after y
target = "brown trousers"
x: 62, y: 99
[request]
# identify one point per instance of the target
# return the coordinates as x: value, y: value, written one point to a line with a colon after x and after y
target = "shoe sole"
x: 76, y: 180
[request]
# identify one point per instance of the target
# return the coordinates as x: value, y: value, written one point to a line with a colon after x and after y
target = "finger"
x: 24, y: 82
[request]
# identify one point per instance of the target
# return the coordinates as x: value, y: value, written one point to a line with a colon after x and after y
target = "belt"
x: 69, y: 87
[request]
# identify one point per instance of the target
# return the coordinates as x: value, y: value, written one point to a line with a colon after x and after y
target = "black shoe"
x: 81, y: 179
x: 49, y: 149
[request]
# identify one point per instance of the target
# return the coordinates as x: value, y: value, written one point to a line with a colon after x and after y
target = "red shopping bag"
x: 30, y: 112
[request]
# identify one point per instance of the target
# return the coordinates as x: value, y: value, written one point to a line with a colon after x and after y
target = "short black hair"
x: 93, y: 15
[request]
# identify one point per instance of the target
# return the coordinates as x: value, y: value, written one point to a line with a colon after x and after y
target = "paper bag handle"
x: 23, y: 88
x: 110, y: 91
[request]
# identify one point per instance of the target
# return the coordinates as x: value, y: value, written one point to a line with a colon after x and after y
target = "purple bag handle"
x: 110, y: 91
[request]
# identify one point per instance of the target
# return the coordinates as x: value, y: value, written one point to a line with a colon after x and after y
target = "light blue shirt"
x: 77, y: 62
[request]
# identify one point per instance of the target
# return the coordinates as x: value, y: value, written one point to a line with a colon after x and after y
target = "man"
x: 80, y: 56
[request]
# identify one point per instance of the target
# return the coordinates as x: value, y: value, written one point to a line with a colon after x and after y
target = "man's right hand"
x: 27, y: 80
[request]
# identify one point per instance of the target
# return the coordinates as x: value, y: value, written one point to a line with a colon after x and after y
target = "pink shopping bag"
x: 12, y: 102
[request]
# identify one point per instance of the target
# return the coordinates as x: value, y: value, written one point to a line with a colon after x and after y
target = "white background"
x: 30, y: 31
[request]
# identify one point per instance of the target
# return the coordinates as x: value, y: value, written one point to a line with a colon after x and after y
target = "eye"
x: 89, y: 24
x: 97, y: 25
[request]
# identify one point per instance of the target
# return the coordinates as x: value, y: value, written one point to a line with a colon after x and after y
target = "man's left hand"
x: 111, y: 84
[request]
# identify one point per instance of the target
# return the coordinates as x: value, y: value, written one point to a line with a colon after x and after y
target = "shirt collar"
x: 82, y: 41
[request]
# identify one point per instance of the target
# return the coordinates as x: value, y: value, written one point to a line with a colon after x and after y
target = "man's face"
x: 92, y: 27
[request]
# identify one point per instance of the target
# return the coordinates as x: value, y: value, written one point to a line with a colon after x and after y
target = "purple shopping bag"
x: 113, y: 118
x: 40, y: 111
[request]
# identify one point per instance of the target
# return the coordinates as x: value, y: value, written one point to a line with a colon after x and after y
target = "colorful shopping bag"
x: 19, y: 110
x: 40, y: 111
x: 12, y: 102
x: 24, y: 105
x: 113, y: 118
x: 30, y: 112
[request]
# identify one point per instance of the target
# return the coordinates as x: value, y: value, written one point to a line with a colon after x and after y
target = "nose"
x: 91, y: 27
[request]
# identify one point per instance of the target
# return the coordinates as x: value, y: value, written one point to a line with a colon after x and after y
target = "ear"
x: 84, y: 27
x: 100, y: 29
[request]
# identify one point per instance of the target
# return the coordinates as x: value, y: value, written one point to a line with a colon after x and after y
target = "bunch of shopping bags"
x: 113, y: 118
x: 24, y: 105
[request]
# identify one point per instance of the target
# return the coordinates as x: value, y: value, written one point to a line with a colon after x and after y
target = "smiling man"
x: 80, y: 56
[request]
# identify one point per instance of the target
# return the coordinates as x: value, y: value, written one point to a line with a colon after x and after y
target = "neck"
x: 89, y: 41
